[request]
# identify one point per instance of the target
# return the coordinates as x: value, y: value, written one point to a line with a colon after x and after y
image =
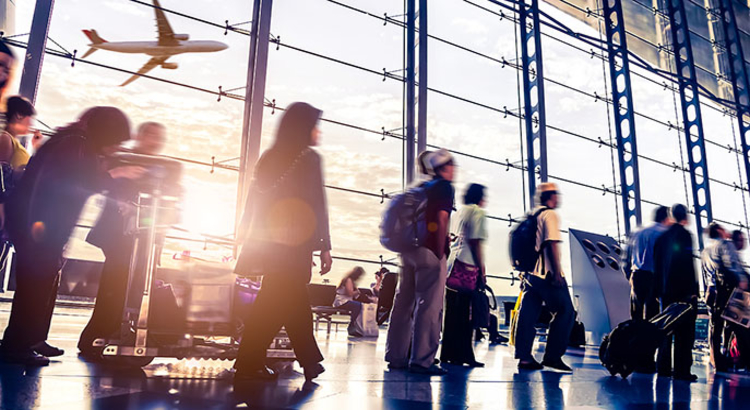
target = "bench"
x: 321, y: 302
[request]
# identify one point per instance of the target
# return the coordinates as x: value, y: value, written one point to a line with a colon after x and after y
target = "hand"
x: 127, y: 172
x: 325, y: 262
x: 37, y: 140
x: 743, y: 283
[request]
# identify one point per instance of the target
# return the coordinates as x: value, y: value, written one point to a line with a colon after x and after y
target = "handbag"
x: 463, y: 277
x: 481, y: 306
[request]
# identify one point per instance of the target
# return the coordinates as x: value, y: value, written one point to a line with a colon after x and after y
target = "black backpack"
x: 523, y: 253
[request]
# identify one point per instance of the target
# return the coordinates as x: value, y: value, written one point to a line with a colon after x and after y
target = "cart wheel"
x: 128, y: 361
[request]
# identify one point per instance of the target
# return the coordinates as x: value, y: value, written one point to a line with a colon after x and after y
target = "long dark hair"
x: 293, y: 137
x: 357, y: 273
x: 100, y: 126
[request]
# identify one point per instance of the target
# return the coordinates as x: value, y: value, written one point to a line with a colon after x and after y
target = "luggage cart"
x: 208, y: 325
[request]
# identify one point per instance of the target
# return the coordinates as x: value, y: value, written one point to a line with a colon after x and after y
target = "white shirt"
x: 470, y: 224
x: 547, y: 230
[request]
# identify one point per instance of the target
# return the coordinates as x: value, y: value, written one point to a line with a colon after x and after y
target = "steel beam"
x: 422, y: 79
x: 622, y: 97
x: 691, y: 113
x: 32, y: 62
x: 252, y: 121
x: 739, y: 77
x: 533, y: 94
x: 411, y: 14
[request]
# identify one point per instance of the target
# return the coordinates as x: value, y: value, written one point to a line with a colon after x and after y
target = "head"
x: 661, y: 215
x: 716, y: 231
x: 442, y: 163
x: 547, y: 194
x: 738, y: 238
x: 150, y: 138
x: 19, y: 115
x: 680, y: 214
x: 104, y: 128
x: 423, y: 161
x: 380, y: 273
x: 474, y: 195
x: 298, y: 129
x: 7, y: 61
x: 354, y: 274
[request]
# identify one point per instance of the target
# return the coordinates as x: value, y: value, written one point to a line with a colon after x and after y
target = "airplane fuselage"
x: 153, y: 48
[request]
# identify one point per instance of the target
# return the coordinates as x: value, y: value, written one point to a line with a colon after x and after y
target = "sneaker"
x: 262, y: 374
x: 395, y: 366
x: 45, y: 349
x: 531, y: 365
x: 433, y: 370
x: 688, y: 377
x: 557, y: 365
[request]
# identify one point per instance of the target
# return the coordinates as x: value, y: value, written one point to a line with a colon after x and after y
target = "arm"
x: 553, y: 255
x: 476, y: 253
x: 6, y: 147
x: 350, y: 290
x: 442, y: 234
x: 321, y: 212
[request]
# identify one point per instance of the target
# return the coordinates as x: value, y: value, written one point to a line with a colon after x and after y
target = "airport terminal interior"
x: 619, y: 108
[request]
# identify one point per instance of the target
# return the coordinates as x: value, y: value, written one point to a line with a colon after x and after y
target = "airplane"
x: 168, y: 45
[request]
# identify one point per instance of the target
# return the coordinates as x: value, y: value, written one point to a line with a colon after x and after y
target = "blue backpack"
x: 404, y: 224
x: 523, y: 253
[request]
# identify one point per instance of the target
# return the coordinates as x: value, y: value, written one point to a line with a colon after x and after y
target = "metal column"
x: 533, y: 94
x: 739, y: 77
x: 691, y: 113
x: 252, y: 122
x: 32, y: 66
x: 411, y: 14
x: 622, y: 97
x: 422, y: 79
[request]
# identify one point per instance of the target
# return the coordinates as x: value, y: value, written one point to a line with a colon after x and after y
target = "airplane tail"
x: 95, y: 40
x: 94, y: 37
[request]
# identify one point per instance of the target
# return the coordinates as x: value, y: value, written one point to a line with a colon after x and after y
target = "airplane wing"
x: 166, y: 35
x: 150, y: 65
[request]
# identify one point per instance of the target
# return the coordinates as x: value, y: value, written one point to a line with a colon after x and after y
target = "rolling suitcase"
x: 634, y: 342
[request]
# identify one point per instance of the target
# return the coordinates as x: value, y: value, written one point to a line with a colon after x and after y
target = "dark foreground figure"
x: 285, y: 220
x: 41, y: 215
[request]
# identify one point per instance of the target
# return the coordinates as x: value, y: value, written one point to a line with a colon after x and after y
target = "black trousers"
x: 110, y: 298
x: 457, y: 329
x: 683, y: 338
x: 282, y: 301
x: 37, y: 280
x: 644, y: 303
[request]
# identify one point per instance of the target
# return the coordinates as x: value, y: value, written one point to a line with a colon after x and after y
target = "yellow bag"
x: 513, y: 320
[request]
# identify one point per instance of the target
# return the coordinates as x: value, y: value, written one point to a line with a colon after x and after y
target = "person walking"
x: 112, y: 234
x: 679, y: 283
x: 285, y: 221
x: 546, y: 284
x: 42, y: 213
x: 644, y: 302
x: 414, y: 331
x: 467, y: 272
x: 722, y: 272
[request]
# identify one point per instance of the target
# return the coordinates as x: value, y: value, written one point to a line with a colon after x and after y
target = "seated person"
x: 349, y: 297
x: 375, y: 286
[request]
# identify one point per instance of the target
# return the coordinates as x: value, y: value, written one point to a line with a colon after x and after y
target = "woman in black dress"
x: 285, y: 221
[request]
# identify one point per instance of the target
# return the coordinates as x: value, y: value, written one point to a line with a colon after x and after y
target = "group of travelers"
x: 285, y: 224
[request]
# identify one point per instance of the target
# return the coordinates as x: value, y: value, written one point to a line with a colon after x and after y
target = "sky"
x: 200, y: 127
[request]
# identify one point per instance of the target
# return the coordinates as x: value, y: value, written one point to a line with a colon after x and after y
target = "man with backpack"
x: 414, y: 331
x: 545, y: 283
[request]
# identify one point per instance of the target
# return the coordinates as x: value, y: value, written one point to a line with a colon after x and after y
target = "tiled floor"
x: 356, y: 379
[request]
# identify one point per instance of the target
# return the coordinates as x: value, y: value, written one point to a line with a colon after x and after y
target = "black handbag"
x: 481, y: 305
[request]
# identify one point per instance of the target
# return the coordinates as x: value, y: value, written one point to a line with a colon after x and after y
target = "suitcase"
x: 634, y: 342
